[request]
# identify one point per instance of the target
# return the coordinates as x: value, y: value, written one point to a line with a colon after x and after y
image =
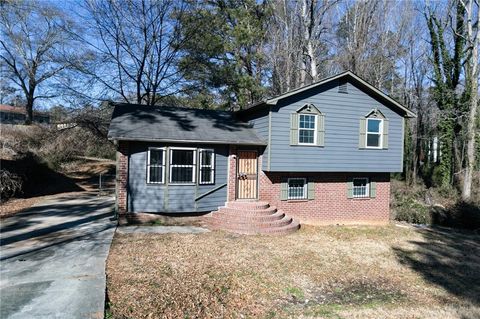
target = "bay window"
x: 156, y: 165
x: 182, y: 165
x: 207, y: 167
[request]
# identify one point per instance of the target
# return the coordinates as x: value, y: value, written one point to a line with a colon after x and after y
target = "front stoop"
x: 252, y: 218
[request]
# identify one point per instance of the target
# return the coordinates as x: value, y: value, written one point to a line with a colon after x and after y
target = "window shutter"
x: 284, y: 190
x: 321, y: 130
x: 311, y: 190
x: 363, y: 132
x: 385, y: 134
x: 294, y: 129
x: 373, y: 189
x: 350, y: 188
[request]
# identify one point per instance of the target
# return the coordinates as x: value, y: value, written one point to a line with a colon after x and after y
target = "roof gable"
x: 344, y: 77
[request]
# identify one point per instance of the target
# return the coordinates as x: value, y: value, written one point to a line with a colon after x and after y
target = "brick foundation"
x: 122, y: 177
x: 331, y: 205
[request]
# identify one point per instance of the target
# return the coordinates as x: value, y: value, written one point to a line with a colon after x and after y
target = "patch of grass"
x: 296, y: 293
x: 158, y: 222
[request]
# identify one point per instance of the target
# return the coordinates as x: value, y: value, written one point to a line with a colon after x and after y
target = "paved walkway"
x: 161, y: 230
x: 52, y: 258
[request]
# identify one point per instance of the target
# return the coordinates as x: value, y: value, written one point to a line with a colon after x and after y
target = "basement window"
x: 297, y: 188
x: 360, y: 187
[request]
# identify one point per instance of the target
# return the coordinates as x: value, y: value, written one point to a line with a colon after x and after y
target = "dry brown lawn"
x: 329, y: 272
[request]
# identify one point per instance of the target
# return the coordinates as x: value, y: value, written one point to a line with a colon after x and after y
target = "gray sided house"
x: 319, y: 154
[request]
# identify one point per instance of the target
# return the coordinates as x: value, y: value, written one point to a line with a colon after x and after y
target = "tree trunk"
x: 472, y: 75
x: 29, y: 109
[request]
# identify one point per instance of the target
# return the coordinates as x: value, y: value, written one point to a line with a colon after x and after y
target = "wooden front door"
x: 247, y: 174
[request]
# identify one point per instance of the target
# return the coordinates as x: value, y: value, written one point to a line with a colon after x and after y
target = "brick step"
x: 248, y: 205
x: 220, y: 214
x: 284, y: 230
x: 248, y: 224
x: 250, y: 212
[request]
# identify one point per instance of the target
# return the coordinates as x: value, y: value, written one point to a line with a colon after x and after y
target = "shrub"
x: 410, y: 210
x: 460, y: 215
x: 10, y: 184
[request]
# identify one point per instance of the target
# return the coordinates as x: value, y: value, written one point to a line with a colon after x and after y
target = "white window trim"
x: 305, y: 188
x: 315, y: 129
x: 380, y: 132
x: 164, y: 149
x: 170, y: 165
x: 212, y: 166
x: 367, y: 186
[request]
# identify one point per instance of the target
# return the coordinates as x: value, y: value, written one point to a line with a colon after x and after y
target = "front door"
x: 247, y: 175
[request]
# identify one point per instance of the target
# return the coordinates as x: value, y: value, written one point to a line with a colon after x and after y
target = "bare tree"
x: 134, y: 48
x: 313, y: 16
x: 297, y: 35
x: 32, y: 48
x: 472, y: 75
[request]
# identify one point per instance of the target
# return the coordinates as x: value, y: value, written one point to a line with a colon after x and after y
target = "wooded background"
x: 71, y: 56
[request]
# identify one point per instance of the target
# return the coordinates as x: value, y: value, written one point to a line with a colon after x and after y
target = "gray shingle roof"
x: 175, y: 124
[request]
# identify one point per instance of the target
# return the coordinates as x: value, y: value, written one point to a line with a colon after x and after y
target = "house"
x: 320, y: 154
x: 16, y: 115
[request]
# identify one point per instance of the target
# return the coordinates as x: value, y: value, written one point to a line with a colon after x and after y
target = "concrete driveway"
x: 53, y: 258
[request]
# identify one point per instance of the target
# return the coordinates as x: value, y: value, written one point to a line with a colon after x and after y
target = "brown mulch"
x: 330, y: 272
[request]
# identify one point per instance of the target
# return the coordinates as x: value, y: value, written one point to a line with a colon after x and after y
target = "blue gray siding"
x: 260, y: 121
x: 143, y: 197
x: 342, y: 119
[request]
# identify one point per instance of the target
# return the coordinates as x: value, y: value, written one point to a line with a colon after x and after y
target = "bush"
x: 53, y: 146
x: 461, y: 215
x: 410, y: 210
x: 10, y: 184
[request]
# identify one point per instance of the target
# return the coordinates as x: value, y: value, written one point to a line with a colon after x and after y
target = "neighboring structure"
x: 321, y: 154
x: 16, y: 115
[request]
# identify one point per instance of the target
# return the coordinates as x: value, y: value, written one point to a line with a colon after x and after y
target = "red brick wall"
x: 122, y: 177
x: 232, y: 174
x: 331, y: 205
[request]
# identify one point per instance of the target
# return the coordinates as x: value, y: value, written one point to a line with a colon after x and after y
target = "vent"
x: 342, y: 87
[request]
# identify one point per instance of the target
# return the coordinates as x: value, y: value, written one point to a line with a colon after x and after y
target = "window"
x: 297, y: 188
x: 156, y: 165
x: 360, y: 187
x: 307, y: 129
x: 207, y: 167
x: 182, y: 165
x: 374, y: 133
